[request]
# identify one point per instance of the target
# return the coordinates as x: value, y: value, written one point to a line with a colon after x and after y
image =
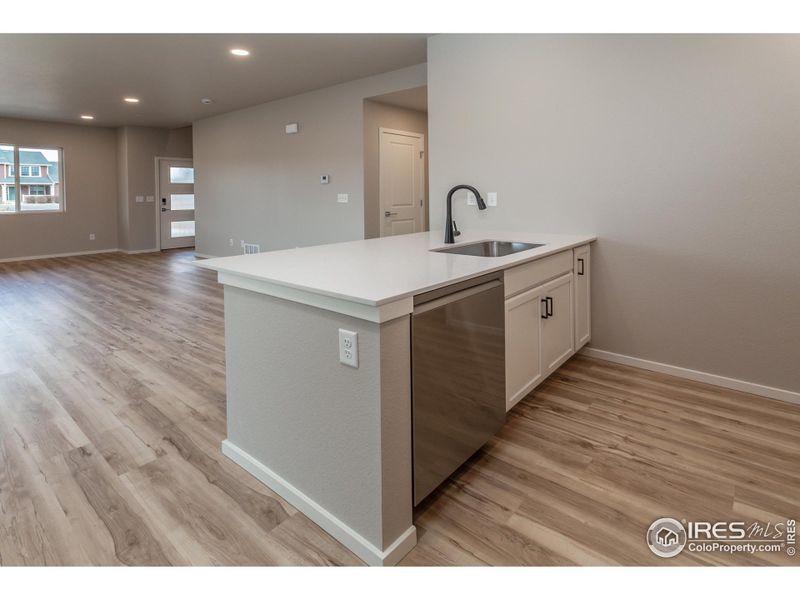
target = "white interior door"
x: 402, y: 182
x: 176, y: 189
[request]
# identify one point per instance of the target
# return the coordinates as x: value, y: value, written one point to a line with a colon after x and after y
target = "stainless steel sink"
x: 489, y: 248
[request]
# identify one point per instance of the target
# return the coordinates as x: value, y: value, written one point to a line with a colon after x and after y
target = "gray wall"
x: 137, y: 148
x: 377, y: 115
x: 254, y: 182
x: 341, y: 436
x: 680, y: 152
x: 90, y: 183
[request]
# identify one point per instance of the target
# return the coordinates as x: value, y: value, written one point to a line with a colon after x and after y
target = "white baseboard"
x: 198, y: 255
x: 702, y: 377
x: 361, y: 547
x: 59, y: 255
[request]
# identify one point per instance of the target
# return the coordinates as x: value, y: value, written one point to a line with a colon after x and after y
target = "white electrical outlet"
x: 230, y: 242
x: 343, y: 198
x: 470, y: 198
x: 491, y: 199
x: 348, y: 348
x: 91, y: 236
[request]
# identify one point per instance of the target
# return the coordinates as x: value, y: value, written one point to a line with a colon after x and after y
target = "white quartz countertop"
x: 383, y: 270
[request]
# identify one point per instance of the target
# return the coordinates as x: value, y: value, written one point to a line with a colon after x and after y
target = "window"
x: 181, y: 201
x: 181, y: 229
x: 181, y: 175
x: 38, y: 175
x: 30, y: 171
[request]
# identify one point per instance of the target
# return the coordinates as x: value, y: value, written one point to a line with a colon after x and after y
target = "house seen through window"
x: 36, y: 173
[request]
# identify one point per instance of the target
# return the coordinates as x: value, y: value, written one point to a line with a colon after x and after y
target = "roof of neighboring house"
x: 52, y: 171
x: 26, y: 157
x: 29, y: 180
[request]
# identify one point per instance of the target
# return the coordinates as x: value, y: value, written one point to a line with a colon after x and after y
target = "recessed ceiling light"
x: 87, y: 117
x: 132, y: 100
x: 240, y: 52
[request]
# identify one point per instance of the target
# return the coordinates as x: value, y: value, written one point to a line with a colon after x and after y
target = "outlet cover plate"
x: 348, y: 348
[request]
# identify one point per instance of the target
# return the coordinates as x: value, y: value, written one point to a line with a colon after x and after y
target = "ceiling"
x: 414, y: 98
x: 58, y: 77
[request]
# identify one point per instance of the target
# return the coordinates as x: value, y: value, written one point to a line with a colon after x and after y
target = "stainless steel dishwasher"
x: 458, y: 376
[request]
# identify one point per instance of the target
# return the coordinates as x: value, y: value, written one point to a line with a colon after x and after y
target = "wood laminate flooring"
x: 112, y: 410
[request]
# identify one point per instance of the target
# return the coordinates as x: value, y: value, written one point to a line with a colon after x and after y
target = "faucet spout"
x: 450, y: 231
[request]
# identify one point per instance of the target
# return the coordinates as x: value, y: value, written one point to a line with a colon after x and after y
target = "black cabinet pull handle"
x: 580, y: 266
x: 549, y: 306
x: 544, y: 301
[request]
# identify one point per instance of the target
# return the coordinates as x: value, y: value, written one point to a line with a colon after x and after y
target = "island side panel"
x: 318, y: 424
x: 396, y: 457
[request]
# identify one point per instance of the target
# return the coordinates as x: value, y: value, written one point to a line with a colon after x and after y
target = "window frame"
x: 16, y: 169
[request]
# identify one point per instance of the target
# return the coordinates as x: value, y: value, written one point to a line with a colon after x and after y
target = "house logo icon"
x: 666, y: 537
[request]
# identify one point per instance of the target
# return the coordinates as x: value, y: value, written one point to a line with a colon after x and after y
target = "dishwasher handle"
x: 456, y: 296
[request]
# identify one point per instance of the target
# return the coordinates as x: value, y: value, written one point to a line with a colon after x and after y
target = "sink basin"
x: 489, y: 248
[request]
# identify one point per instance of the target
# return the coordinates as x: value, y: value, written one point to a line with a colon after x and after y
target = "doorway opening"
x: 396, y: 163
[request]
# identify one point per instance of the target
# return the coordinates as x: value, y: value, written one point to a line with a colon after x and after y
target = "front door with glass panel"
x: 176, y: 186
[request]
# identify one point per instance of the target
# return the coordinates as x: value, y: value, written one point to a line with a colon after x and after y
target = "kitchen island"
x: 328, y: 427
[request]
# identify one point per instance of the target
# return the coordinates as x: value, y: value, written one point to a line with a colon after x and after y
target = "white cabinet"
x: 547, y: 318
x: 583, y: 322
x: 523, y: 344
x: 558, y: 341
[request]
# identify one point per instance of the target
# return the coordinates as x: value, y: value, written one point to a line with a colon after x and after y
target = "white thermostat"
x: 292, y: 128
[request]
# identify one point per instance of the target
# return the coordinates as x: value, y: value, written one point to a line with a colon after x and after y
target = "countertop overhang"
x: 376, y: 279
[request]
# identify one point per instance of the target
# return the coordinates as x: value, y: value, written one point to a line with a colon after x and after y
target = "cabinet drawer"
x: 535, y: 272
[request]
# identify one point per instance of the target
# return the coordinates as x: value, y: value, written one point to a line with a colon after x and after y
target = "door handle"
x: 549, y: 306
x: 389, y: 214
x: 580, y: 266
x: 164, y: 209
x: 544, y: 301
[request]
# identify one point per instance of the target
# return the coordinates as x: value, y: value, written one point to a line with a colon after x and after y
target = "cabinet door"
x: 557, y: 324
x: 583, y: 324
x: 523, y: 344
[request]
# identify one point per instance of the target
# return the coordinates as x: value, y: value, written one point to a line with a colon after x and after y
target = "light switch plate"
x: 139, y: 198
x: 150, y: 199
x: 343, y: 198
x: 292, y: 128
x: 348, y: 348
x: 491, y: 199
